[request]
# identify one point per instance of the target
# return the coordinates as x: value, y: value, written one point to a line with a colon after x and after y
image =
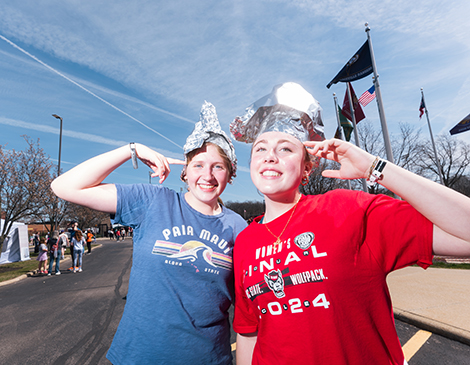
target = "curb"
x: 14, y: 280
x: 428, y: 324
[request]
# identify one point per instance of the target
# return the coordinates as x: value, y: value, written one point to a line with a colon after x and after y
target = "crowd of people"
x: 52, y: 247
x: 120, y: 233
x: 307, y: 278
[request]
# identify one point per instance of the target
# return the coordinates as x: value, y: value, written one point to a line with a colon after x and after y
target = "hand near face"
x: 159, y: 164
x: 355, y: 162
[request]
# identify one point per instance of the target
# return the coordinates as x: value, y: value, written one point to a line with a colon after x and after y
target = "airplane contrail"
x: 85, y: 89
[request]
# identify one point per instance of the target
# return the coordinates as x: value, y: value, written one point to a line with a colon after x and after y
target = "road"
x: 66, y: 319
x: 72, y: 318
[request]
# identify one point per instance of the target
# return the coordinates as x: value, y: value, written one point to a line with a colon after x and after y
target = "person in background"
x: 53, y: 244
x: 181, y: 282
x: 36, y: 242
x: 42, y: 257
x: 89, y: 240
x: 64, y: 242
x: 310, y: 275
x: 78, y: 242
x: 72, y: 230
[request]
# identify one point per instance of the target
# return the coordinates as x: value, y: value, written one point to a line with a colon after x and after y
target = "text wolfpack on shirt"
x: 275, y: 279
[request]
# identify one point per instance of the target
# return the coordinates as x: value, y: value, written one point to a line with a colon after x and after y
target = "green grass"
x: 15, y: 269
x: 445, y: 265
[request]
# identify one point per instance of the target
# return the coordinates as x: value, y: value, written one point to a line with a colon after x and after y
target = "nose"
x: 270, y: 156
x: 207, y: 173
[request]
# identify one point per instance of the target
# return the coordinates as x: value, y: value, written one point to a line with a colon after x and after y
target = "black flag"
x: 462, y: 126
x: 359, y: 66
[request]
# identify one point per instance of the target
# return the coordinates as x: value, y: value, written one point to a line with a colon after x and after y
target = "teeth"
x: 206, y: 186
x: 271, y: 173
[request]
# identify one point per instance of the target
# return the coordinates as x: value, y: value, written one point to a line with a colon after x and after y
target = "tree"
x: 462, y: 185
x: 53, y: 210
x: 406, y: 148
x: 24, y: 180
x: 84, y: 216
x: 454, y: 157
x: 318, y: 184
x: 246, y: 209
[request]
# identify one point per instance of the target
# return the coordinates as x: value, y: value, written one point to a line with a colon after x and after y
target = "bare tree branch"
x: 24, y: 179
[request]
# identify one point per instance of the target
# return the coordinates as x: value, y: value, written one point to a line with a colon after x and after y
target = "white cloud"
x: 78, y: 135
x: 173, y: 55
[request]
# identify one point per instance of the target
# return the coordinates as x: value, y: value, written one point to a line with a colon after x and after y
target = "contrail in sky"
x: 85, y: 89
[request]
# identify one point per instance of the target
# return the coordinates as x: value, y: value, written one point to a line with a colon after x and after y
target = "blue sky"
x: 139, y: 71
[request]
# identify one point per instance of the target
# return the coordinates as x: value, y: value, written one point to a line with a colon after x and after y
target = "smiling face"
x: 278, y: 164
x: 207, y: 175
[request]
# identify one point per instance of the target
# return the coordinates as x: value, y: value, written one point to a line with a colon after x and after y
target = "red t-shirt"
x: 320, y: 297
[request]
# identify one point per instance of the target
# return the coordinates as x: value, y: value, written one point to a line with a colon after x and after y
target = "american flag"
x: 422, y: 107
x: 368, y: 96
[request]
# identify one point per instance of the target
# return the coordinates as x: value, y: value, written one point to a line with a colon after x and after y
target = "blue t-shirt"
x: 181, y: 282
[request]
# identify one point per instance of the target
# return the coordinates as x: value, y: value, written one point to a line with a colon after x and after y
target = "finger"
x: 320, y: 148
x: 165, y: 171
x: 162, y: 176
x: 175, y: 161
x: 313, y: 146
x: 166, y: 166
x: 335, y: 174
x: 161, y: 171
x: 311, y: 143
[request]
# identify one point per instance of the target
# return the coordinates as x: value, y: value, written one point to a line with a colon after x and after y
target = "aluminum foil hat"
x: 208, y: 129
x: 289, y: 109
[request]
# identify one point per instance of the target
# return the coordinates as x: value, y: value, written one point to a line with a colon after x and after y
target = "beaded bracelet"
x: 133, y: 155
x: 375, y: 172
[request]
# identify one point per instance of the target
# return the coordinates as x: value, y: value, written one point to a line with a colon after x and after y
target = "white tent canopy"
x: 16, y: 245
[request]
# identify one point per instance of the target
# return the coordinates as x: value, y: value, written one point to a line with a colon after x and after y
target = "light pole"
x: 60, y: 141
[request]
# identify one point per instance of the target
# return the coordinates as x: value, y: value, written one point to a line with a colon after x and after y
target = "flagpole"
x: 378, y: 95
x: 432, y: 139
x: 341, y: 130
x: 356, y: 134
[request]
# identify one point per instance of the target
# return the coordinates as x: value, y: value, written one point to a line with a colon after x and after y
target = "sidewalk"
x: 436, y: 300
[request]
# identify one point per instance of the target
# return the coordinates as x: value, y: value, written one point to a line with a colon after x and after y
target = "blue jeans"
x: 78, y: 257
x: 57, y: 262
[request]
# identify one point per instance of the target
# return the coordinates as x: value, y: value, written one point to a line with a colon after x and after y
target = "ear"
x: 183, y: 176
x: 309, y: 166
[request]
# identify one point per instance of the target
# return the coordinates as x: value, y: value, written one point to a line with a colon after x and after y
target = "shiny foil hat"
x: 208, y: 129
x: 289, y: 109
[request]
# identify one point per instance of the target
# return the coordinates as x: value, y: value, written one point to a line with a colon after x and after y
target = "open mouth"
x: 206, y: 186
x: 270, y: 173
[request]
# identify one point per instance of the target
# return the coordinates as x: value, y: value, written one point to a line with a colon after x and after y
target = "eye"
x: 260, y: 149
x: 286, y: 149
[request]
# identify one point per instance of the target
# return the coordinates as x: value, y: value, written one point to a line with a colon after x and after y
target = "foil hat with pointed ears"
x: 208, y: 129
x: 289, y: 109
